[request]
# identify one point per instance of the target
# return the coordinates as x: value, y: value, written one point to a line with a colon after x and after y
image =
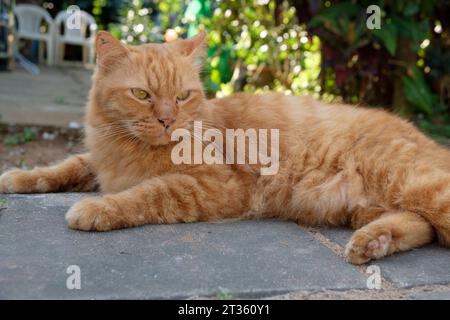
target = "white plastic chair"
x: 29, y: 20
x: 75, y: 36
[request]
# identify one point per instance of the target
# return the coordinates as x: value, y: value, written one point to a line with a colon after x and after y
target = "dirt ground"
x: 50, y: 145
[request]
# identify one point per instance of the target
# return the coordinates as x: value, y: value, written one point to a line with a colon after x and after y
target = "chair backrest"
x: 29, y: 18
x: 86, y: 21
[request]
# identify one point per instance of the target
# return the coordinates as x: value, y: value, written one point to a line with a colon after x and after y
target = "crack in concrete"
x: 388, y: 291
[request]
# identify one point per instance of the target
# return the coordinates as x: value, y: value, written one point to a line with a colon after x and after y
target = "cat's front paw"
x: 366, y: 245
x: 94, y: 214
x: 21, y: 181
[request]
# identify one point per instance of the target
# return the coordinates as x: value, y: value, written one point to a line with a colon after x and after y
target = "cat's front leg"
x: 73, y: 174
x: 172, y: 198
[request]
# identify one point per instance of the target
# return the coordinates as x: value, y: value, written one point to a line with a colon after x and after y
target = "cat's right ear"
x: 109, y: 50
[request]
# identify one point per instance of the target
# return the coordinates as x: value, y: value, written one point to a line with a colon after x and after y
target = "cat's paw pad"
x: 365, y: 246
x: 21, y: 181
x: 92, y: 214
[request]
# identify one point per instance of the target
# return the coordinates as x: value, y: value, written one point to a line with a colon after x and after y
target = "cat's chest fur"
x: 122, y: 168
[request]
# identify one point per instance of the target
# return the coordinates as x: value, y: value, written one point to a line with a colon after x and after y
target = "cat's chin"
x: 161, y: 140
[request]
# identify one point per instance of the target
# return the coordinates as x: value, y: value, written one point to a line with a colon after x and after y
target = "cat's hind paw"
x: 368, y: 245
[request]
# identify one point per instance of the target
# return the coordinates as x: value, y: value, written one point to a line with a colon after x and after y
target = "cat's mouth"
x: 161, y: 137
x: 163, y: 134
x: 151, y: 134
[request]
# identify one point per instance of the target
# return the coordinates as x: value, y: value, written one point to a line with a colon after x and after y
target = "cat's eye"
x: 140, y: 94
x: 184, y: 95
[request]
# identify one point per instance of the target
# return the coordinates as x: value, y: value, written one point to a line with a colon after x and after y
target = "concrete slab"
x: 248, y: 259
x: 55, y: 97
x: 422, y: 266
x: 439, y: 295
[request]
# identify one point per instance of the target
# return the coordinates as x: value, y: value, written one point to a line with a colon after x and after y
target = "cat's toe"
x: 365, y: 246
x: 91, y: 214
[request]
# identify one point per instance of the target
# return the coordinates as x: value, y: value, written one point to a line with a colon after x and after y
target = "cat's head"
x: 146, y: 92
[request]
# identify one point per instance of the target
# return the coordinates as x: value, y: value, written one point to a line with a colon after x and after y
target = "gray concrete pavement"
x: 235, y: 260
x: 55, y: 97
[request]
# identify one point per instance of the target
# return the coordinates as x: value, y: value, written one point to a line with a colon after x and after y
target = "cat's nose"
x: 166, y: 122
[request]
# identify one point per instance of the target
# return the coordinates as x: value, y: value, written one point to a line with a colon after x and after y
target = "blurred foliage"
x: 3, y: 203
x: 323, y: 48
x: 147, y: 21
x: 27, y: 135
x: 248, y: 49
x: 397, y: 66
x: 251, y: 50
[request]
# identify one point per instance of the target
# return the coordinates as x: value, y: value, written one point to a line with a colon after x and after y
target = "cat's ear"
x: 109, y: 50
x: 194, y: 47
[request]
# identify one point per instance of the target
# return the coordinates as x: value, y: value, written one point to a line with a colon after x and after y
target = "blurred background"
x: 320, y: 48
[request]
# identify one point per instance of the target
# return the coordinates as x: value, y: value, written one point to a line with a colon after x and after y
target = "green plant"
x: 3, y: 203
x: 223, y: 294
x: 392, y: 66
x: 259, y: 46
x: 146, y: 21
x: 27, y: 135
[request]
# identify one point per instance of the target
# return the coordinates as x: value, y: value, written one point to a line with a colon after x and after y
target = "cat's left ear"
x: 194, y: 47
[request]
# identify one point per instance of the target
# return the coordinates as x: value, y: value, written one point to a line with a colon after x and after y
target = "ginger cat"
x: 338, y: 164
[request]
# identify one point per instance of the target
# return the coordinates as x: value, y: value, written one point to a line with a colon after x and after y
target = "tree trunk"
x: 404, y: 57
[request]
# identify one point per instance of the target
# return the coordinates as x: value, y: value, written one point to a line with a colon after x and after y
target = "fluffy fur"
x: 339, y: 165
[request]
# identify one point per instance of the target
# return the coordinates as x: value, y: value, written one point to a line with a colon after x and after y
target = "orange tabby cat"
x: 339, y: 165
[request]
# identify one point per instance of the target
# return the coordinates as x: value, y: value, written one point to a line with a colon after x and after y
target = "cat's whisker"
x: 108, y: 135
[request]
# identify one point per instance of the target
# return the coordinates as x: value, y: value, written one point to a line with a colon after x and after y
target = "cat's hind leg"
x: 391, y: 232
x: 73, y: 174
x: 428, y: 194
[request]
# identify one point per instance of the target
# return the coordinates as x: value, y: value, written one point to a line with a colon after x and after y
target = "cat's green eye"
x: 184, y: 95
x: 140, y: 94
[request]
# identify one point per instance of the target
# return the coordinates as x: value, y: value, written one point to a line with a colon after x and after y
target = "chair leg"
x: 91, y: 55
x: 50, y: 53
x: 62, y: 52
x: 56, y: 56
x: 40, y: 52
x: 85, y: 54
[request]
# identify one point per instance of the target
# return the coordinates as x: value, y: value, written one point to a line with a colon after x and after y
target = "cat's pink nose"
x: 166, y: 122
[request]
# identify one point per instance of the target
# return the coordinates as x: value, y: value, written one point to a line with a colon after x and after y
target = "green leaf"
x: 411, y: 29
x: 330, y: 15
x: 29, y: 134
x: 388, y: 35
x: 411, y: 9
x: 12, y: 140
x: 413, y: 95
x: 417, y: 91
